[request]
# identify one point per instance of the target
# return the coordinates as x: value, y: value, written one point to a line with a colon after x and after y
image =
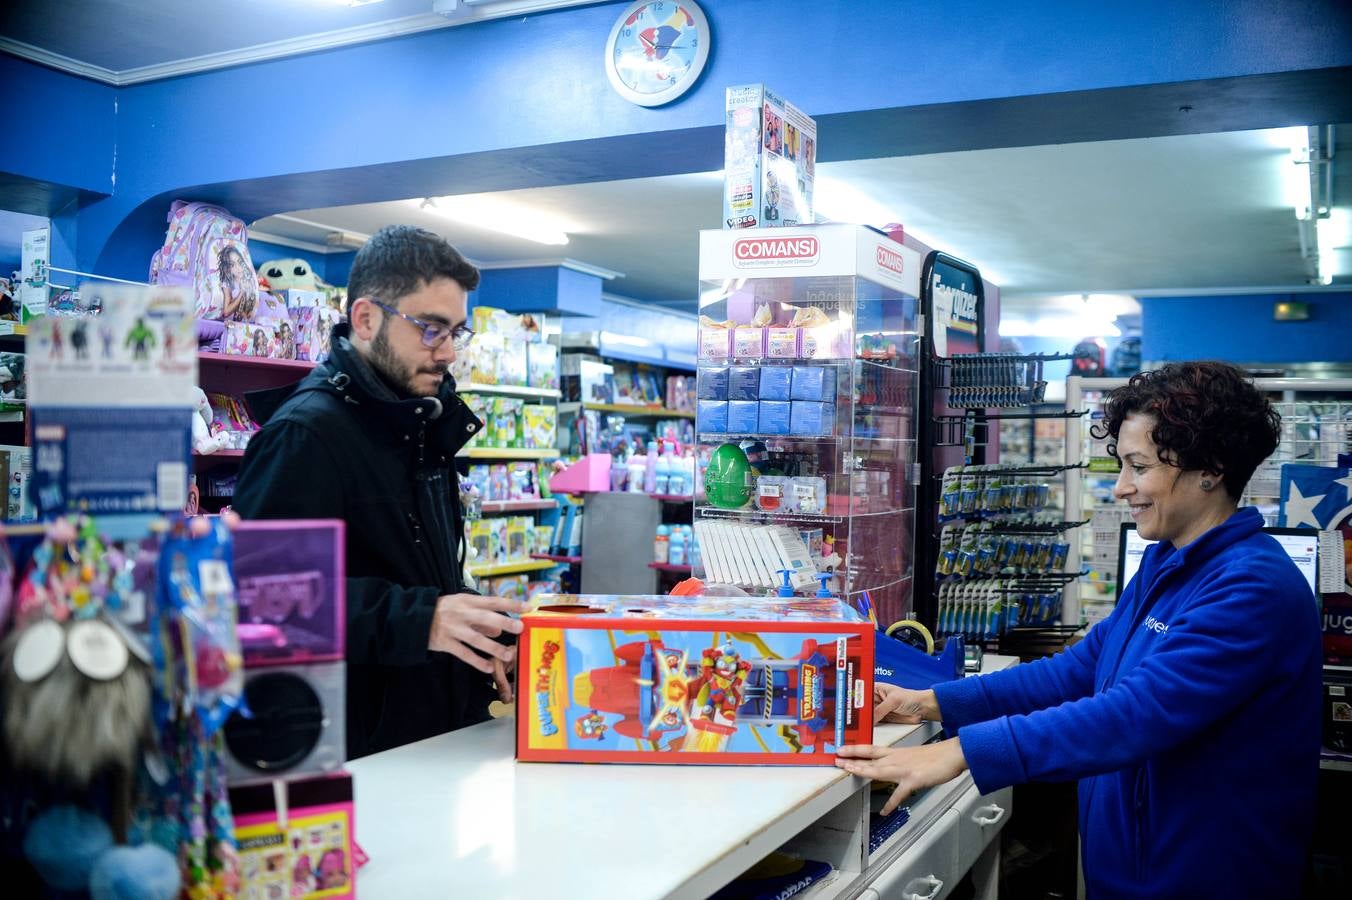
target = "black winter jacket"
x: 341, y: 445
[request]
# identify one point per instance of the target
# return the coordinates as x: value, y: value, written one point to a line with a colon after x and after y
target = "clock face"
x: 657, y: 50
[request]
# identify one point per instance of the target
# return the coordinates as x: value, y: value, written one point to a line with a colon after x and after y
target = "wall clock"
x: 657, y: 50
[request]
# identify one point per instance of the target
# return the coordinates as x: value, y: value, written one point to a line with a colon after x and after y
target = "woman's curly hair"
x: 1208, y: 417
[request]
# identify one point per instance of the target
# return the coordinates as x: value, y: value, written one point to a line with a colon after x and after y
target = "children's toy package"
x: 313, y: 327
x: 717, y: 680
x: 769, y: 160
x: 308, y: 852
x: 542, y: 361
x: 541, y: 424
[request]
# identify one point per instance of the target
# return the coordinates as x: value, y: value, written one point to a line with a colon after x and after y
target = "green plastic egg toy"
x: 727, y: 481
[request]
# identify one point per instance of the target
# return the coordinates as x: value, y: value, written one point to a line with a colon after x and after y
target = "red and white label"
x: 891, y: 260
x: 750, y: 253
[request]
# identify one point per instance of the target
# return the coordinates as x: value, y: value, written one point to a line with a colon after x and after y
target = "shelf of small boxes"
x: 628, y: 409
x: 508, y: 377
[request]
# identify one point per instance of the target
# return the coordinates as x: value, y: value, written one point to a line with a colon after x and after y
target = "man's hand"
x: 464, y: 626
x: 912, y: 768
x: 903, y: 706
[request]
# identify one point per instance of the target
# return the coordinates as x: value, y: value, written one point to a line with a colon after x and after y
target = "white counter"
x: 458, y: 815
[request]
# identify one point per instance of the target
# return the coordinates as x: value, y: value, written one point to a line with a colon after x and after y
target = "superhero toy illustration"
x: 640, y: 687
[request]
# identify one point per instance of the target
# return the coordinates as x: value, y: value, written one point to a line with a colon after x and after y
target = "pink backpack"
x: 206, y: 251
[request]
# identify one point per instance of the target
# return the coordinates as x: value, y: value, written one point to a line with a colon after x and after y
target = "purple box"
x: 748, y: 342
x: 715, y: 343
x: 289, y: 576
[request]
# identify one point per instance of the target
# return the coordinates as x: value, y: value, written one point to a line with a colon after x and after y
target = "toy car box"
x: 713, y: 680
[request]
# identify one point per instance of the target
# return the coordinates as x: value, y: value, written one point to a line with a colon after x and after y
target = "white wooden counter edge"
x: 456, y: 814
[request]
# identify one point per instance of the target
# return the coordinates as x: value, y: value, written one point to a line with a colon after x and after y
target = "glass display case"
x: 807, y: 393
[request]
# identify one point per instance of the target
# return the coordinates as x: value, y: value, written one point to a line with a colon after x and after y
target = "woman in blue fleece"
x: 1191, y: 715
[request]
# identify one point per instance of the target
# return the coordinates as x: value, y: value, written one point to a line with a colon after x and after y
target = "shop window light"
x: 497, y: 214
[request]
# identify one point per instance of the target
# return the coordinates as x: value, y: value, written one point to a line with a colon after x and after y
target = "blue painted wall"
x: 1240, y: 329
x: 61, y: 130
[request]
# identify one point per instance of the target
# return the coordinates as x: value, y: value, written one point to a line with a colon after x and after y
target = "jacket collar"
x: 1163, y: 556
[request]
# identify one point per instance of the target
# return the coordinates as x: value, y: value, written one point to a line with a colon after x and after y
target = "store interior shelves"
x: 569, y: 560
x: 669, y: 567
x: 627, y: 409
x: 509, y: 506
x: 509, y: 390
x: 511, y: 568
x: 508, y: 453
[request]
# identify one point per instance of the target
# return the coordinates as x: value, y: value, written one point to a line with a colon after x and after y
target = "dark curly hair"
x: 1208, y: 417
x: 400, y: 259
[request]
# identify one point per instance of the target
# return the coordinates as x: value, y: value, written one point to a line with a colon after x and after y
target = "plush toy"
x: 73, y: 851
x: 288, y: 275
x: 296, y: 275
x: 203, y: 439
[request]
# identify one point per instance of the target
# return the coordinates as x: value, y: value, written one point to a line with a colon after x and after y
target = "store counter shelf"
x: 570, y: 560
x: 628, y: 409
x: 511, y: 568
x: 510, y: 390
x: 509, y: 453
x: 203, y: 461
x: 675, y: 498
x: 669, y: 567
x: 506, y: 506
x: 442, y: 805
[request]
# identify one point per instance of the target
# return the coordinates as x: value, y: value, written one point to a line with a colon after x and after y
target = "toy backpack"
x: 206, y: 251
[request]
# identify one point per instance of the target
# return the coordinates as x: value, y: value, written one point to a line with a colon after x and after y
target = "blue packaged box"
x: 813, y: 383
x: 812, y: 418
x: 774, y: 417
x: 713, y: 416
x: 742, y: 416
x: 743, y: 383
x: 775, y: 382
x: 712, y: 383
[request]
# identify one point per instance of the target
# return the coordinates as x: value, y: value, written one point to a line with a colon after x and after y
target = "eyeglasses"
x: 434, y: 334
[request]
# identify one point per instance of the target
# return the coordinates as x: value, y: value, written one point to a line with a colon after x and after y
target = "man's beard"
x: 397, y: 374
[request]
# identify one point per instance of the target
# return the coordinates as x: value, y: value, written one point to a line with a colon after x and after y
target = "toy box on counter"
x: 713, y: 680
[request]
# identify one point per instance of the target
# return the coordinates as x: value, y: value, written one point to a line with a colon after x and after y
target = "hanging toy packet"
x: 197, y: 614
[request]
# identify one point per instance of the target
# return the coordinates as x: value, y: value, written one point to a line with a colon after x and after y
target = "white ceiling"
x: 1172, y: 214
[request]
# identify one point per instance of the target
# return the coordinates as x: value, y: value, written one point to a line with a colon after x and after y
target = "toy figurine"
x: 723, y: 672
x: 591, y: 726
x: 140, y: 339
x: 79, y: 339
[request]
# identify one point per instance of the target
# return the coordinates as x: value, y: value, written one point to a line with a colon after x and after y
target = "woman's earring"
x: 1207, y: 484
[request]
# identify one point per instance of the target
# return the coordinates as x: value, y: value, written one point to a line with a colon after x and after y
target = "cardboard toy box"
x: 713, y: 680
x: 769, y: 160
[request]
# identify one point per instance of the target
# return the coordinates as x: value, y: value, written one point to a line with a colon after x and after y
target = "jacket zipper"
x: 413, y: 520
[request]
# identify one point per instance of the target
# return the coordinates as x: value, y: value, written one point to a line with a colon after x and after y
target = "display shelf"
x: 508, y: 506
x: 668, y: 567
x: 219, y: 454
x: 675, y: 498
x: 570, y: 560
x: 509, y: 390
x: 508, y: 453
x: 628, y: 409
x: 511, y: 568
x: 827, y: 348
x: 12, y: 329
x: 212, y: 358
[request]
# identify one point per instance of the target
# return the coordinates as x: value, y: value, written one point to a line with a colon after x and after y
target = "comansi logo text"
x: 768, y: 251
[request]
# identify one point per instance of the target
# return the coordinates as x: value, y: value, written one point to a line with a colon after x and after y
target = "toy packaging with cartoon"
x: 111, y: 401
x: 769, y: 160
x: 713, y: 680
x: 306, y: 854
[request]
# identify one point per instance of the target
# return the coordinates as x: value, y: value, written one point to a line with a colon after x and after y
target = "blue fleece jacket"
x: 1191, y: 716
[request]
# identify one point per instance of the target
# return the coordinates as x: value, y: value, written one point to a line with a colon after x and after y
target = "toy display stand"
x: 807, y: 392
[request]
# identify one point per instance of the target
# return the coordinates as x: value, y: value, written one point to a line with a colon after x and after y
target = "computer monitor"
x: 1301, y: 544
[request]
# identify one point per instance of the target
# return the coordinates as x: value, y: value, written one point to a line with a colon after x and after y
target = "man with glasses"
x: 370, y: 437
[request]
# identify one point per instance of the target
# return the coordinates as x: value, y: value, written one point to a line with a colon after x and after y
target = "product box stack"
x: 769, y: 160
x: 509, y: 350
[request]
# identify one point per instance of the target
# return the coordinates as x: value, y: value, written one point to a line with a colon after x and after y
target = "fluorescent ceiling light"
x: 1296, y: 171
x: 610, y: 337
x: 355, y: 2
x: 1332, y: 234
x: 497, y: 214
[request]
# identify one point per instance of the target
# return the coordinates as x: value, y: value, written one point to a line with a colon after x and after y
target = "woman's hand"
x: 912, y: 768
x: 903, y: 706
